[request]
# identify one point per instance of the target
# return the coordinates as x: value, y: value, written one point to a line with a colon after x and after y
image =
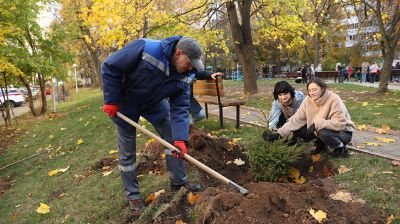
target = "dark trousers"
x: 333, y: 139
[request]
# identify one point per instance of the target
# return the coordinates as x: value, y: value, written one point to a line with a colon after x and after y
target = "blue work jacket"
x: 140, y: 79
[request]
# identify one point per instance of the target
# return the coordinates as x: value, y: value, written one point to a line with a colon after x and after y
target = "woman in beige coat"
x: 322, y: 116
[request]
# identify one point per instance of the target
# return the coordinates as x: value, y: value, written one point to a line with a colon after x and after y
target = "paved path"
x: 253, y: 116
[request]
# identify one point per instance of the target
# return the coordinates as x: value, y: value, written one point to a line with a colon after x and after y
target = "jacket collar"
x: 322, y: 100
x: 168, y: 45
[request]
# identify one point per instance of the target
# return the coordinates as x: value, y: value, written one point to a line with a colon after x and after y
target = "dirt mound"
x: 280, y: 203
x: 219, y: 154
x: 266, y: 202
x: 104, y: 164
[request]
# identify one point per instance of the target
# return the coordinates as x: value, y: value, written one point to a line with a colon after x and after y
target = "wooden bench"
x: 212, y: 92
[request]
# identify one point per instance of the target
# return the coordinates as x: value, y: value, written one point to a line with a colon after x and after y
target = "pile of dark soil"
x: 266, y: 202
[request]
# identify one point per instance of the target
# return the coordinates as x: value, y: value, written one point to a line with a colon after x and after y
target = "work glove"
x: 111, y: 109
x: 310, y: 130
x: 181, y: 145
x: 271, y: 136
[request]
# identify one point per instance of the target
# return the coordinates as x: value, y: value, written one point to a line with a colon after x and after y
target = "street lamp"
x: 76, y: 79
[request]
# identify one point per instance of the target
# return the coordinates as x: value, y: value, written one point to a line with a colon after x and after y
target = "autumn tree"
x: 239, y: 13
x: 386, y: 13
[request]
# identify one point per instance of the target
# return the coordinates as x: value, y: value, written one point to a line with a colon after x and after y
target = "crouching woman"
x: 322, y: 116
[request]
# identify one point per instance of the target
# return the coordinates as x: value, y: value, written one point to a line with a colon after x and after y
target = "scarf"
x: 288, y: 110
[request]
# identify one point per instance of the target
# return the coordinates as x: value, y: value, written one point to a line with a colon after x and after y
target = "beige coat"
x: 327, y: 112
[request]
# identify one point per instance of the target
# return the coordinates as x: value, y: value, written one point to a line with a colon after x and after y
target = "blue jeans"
x: 126, y: 140
x: 363, y: 78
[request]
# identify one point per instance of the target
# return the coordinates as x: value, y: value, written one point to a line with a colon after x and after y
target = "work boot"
x: 193, y: 187
x: 198, y: 116
x: 136, y: 206
x: 341, y: 152
x: 319, y: 147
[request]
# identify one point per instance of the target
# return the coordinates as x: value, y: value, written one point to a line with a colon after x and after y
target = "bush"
x: 269, y: 161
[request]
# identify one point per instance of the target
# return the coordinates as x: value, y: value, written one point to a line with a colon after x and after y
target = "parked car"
x: 15, y: 98
x: 34, y: 90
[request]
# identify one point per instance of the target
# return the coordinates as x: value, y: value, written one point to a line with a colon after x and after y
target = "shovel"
x: 188, y: 158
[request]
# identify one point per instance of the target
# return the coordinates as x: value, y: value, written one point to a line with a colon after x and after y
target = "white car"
x: 15, y: 97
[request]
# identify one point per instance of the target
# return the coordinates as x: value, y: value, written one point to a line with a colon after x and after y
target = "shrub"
x: 269, y: 161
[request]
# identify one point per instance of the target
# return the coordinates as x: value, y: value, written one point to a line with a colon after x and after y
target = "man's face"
x: 182, y: 62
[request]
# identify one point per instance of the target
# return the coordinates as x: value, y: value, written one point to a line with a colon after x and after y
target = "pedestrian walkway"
x: 362, y: 140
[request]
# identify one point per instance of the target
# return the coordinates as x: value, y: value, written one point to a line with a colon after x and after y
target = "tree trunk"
x: 316, y: 49
x: 30, y: 97
x: 242, y: 38
x: 42, y: 94
x: 387, y: 69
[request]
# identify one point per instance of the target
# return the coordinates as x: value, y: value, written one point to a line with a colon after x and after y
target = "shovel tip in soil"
x: 242, y: 190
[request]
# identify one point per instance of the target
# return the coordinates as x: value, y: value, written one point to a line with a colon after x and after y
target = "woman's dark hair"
x: 319, y: 82
x: 283, y: 87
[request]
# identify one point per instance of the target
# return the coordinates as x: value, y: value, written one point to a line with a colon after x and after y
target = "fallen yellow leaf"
x: 390, y: 219
x: 316, y: 157
x: 150, y: 199
x: 300, y: 180
x: 112, y: 152
x: 43, y: 208
x: 158, y: 193
x: 191, y: 198
x: 341, y: 196
x: 52, y: 172
x: 51, y: 136
x: 385, y: 140
x: 79, y: 141
x: 365, y: 104
x: 361, y: 127
x: 238, y: 162
x: 294, y: 173
x: 343, y: 169
x: 319, y: 215
x: 373, y: 143
x: 64, y: 169
x: 163, y: 156
x: 107, y: 173
x: 180, y: 222
x: 385, y: 127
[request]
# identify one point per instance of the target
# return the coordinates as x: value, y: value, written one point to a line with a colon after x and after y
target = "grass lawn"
x: 96, y: 198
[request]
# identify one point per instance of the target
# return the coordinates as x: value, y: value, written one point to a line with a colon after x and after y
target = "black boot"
x: 340, y: 152
x: 319, y: 147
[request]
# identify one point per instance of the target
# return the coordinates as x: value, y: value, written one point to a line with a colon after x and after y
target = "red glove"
x: 110, y: 109
x: 181, y: 145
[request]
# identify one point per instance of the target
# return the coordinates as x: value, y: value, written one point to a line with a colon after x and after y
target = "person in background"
x: 364, y: 72
x: 374, y: 70
x: 304, y: 73
x: 312, y: 71
x: 350, y: 72
x: 322, y: 116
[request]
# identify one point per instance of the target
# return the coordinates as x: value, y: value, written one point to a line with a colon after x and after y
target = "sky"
x: 49, y: 13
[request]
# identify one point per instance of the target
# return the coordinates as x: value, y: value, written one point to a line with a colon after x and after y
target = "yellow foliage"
x: 385, y: 140
x: 319, y: 215
x: 43, y: 209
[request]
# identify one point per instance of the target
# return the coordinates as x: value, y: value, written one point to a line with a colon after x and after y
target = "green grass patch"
x: 374, y: 180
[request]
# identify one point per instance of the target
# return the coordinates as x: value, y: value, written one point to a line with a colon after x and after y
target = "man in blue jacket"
x: 149, y: 78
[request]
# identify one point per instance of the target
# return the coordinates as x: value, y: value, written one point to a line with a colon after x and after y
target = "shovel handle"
x: 188, y: 158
